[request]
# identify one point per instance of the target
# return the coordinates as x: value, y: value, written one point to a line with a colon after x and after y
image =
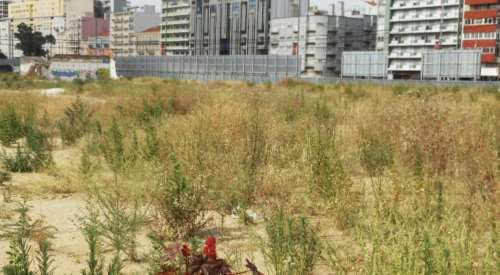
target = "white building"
x: 321, y: 39
x: 7, y: 42
x: 415, y: 26
x: 366, y: 7
x: 288, y: 8
x: 176, y: 26
x: 124, y: 26
x: 382, y: 33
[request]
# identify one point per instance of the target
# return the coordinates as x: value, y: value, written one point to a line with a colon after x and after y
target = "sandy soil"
x: 56, y: 200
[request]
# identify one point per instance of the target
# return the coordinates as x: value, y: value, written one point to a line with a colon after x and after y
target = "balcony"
x: 424, y: 4
x: 425, y: 17
x: 178, y: 31
x: 178, y: 22
x: 405, y: 67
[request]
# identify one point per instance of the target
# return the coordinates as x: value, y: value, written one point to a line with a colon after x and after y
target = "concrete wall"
x: 73, y: 67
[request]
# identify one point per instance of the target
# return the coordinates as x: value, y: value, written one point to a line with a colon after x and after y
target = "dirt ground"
x: 56, y: 200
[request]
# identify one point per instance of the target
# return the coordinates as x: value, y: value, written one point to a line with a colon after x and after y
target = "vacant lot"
x: 298, y: 178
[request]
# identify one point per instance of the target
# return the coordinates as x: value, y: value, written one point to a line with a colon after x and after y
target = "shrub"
x: 376, y: 156
x: 180, y: 206
x: 292, y: 246
x: 78, y: 122
x: 35, y: 156
x: 11, y: 127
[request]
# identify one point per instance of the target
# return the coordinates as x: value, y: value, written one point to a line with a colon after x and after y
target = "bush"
x: 11, y: 127
x: 376, y: 156
x: 180, y: 206
x: 78, y: 122
x: 35, y: 156
x: 292, y: 246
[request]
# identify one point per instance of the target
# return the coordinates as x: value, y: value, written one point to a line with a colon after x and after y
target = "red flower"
x: 210, y: 248
x: 186, y: 252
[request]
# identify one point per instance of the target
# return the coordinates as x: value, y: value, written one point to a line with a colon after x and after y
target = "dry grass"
x: 250, y: 146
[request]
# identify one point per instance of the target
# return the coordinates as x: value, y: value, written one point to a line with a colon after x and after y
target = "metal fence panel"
x: 364, y: 64
x: 230, y: 67
x: 451, y: 64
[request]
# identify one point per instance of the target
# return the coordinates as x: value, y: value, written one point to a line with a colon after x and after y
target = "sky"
x: 322, y: 4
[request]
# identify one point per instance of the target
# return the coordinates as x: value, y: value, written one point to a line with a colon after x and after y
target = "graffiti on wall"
x: 83, y: 74
x: 100, y: 74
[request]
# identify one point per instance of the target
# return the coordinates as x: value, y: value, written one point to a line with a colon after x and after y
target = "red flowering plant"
x: 205, y: 263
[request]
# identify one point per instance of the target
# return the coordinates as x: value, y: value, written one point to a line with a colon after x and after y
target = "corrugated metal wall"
x: 451, y: 64
x: 364, y: 64
x: 209, y: 67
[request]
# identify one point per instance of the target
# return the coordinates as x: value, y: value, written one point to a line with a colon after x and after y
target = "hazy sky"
x: 321, y: 3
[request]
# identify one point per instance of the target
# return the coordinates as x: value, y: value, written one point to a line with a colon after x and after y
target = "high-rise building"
x: 481, y: 30
x: 288, y: 8
x: 321, y: 37
x: 382, y: 33
x: 4, y: 9
x: 176, y: 26
x: 124, y: 26
x: 110, y: 6
x: 45, y: 16
x: 225, y: 27
x: 419, y: 25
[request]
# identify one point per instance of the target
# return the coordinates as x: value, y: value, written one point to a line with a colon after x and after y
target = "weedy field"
x: 152, y: 176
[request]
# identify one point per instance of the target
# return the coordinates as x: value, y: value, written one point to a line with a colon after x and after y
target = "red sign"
x: 163, y: 50
x: 294, y: 52
x: 437, y: 46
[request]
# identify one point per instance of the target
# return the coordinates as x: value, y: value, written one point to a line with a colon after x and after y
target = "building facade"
x: 419, y: 25
x: 229, y: 27
x: 124, y: 26
x: 45, y: 16
x: 481, y: 30
x: 288, y: 8
x: 81, y: 28
x: 366, y: 7
x: 321, y: 38
x: 382, y: 24
x: 148, y: 42
x: 99, y: 45
x: 4, y: 9
x: 176, y: 26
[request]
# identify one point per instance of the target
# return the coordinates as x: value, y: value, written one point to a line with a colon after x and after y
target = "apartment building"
x: 148, y: 42
x: 321, y: 37
x: 366, y: 7
x: 229, y: 27
x: 481, y: 30
x: 383, y: 21
x: 176, y: 26
x: 124, y: 26
x: 7, y: 43
x: 4, y: 9
x: 99, y: 45
x: 418, y: 25
x: 110, y: 6
x: 81, y: 28
x: 288, y: 8
x: 45, y: 16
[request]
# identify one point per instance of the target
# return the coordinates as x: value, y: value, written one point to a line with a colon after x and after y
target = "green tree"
x: 31, y: 42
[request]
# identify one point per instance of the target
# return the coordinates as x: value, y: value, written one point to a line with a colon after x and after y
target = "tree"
x: 2, y: 55
x: 30, y: 42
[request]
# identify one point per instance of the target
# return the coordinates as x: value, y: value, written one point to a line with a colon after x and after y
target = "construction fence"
x: 207, y: 68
